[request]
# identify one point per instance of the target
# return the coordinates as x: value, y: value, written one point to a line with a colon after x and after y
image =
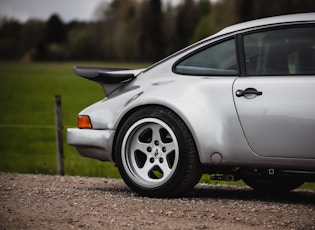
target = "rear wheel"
x: 156, y: 154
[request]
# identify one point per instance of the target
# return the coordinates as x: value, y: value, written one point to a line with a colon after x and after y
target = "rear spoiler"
x: 109, y: 78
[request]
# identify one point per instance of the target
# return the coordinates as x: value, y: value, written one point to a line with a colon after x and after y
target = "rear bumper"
x: 96, y: 144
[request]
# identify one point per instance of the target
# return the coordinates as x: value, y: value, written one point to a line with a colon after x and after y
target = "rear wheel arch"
x: 132, y: 111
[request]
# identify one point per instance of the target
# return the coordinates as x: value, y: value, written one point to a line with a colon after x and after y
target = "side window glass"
x: 219, y: 59
x: 280, y: 52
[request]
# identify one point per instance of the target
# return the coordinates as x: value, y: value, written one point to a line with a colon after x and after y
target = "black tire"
x: 156, y: 154
x: 272, y: 184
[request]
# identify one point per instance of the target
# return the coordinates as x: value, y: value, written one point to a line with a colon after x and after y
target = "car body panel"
x: 280, y: 122
x: 228, y: 130
x: 214, y: 93
x: 96, y: 144
x: 270, y: 21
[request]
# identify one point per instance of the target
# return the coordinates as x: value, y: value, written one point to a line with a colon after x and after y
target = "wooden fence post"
x: 59, y: 135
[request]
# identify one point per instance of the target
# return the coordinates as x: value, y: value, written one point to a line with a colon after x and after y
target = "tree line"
x: 133, y: 30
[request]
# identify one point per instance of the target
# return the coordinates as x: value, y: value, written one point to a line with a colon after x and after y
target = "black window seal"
x: 241, y: 55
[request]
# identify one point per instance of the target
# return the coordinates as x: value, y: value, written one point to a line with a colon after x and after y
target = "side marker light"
x: 84, y: 122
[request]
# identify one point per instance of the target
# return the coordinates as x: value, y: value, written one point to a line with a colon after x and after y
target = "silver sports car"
x: 237, y: 105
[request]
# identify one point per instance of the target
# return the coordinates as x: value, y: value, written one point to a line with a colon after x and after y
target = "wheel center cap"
x: 156, y: 152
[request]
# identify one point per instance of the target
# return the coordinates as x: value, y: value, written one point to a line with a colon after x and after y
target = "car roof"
x: 304, y: 17
x: 276, y: 20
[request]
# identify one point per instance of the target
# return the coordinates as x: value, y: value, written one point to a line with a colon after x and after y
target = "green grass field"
x: 27, y: 133
x: 27, y: 136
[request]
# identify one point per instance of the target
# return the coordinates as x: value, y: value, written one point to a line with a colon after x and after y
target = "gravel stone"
x: 70, y: 202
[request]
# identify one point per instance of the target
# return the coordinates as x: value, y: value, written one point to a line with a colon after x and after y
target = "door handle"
x: 248, y: 91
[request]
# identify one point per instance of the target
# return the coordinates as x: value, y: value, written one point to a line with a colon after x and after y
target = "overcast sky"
x: 42, y: 9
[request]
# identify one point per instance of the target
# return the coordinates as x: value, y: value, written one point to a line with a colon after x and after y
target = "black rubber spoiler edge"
x: 104, y: 75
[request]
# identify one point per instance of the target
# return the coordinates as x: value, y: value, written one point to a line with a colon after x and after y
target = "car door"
x: 275, y: 101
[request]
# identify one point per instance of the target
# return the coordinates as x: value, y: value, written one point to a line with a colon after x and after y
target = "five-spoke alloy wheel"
x: 156, y: 154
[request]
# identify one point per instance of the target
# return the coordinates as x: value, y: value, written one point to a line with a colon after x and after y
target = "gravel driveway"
x: 55, y: 202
